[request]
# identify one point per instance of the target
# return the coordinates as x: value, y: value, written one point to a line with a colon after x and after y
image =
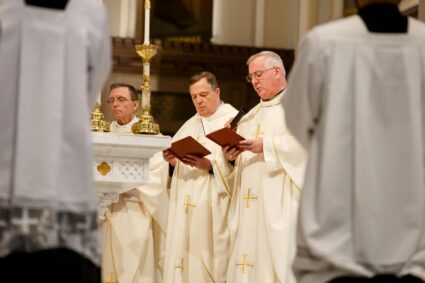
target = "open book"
x: 225, y: 137
x: 187, y: 145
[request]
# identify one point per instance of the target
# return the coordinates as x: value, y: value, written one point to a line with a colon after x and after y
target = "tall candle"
x: 147, y: 14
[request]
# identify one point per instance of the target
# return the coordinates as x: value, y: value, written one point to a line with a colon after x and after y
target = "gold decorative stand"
x: 98, y: 123
x: 146, y: 124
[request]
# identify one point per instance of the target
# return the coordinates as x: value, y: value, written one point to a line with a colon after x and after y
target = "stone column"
x: 421, y: 10
x: 122, y: 17
x: 234, y: 22
x: 315, y: 12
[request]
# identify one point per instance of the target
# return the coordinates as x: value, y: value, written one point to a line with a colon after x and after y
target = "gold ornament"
x: 98, y: 124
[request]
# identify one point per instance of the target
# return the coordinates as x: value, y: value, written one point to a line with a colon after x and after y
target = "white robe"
x: 362, y: 96
x: 133, y: 231
x: 197, y: 234
x: 52, y: 66
x: 123, y: 129
x: 264, y: 205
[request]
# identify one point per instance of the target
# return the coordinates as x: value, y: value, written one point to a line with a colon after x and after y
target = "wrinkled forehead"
x: 258, y: 63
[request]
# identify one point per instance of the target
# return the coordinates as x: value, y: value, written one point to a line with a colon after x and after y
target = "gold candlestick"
x: 98, y: 123
x: 146, y: 124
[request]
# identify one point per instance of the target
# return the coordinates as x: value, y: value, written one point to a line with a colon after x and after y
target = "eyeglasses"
x: 257, y: 74
x: 118, y: 99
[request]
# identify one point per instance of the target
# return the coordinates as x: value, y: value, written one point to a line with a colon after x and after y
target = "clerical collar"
x: 211, y: 116
x: 274, y: 96
x: 48, y: 4
x: 383, y: 18
x: 132, y: 121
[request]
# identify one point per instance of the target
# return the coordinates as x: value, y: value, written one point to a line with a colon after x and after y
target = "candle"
x: 147, y: 12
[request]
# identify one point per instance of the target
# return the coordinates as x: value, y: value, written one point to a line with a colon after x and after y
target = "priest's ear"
x: 136, y: 103
x: 217, y: 92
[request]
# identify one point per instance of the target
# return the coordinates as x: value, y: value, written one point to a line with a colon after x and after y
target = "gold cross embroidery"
x: 111, y: 278
x: 249, y: 197
x: 244, y: 264
x: 257, y: 133
x: 180, y: 265
x: 187, y: 205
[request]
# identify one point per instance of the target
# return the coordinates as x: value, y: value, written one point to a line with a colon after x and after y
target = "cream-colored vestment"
x: 356, y: 101
x: 197, y: 234
x: 52, y: 65
x: 134, y: 229
x: 124, y: 129
x: 265, y: 197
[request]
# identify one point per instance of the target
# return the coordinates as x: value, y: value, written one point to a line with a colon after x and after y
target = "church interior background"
x: 213, y: 35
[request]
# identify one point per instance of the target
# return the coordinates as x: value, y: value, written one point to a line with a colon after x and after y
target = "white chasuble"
x: 356, y: 100
x: 265, y: 197
x: 197, y: 234
x: 123, y: 129
x: 52, y: 65
x: 133, y: 230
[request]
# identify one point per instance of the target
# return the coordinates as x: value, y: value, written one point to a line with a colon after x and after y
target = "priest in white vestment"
x: 124, y: 102
x: 133, y: 228
x: 197, y: 235
x: 54, y: 59
x: 268, y: 178
x: 356, y: 100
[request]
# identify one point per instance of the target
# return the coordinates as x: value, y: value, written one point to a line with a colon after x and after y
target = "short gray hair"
x: 271, y: 59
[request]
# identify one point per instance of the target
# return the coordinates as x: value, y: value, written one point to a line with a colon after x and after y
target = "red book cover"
x: 188, y: 145
x: 225, y: 137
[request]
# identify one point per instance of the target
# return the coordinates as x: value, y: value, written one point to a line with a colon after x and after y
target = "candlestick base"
x: 145, y: 125
x: 98, y: 123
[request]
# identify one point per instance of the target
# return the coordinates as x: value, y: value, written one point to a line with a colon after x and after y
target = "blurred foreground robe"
x: 262, y: 214
x: 356, y: 100
x: 197, y: 235
x: 133, y: 229
x: 53, y: 63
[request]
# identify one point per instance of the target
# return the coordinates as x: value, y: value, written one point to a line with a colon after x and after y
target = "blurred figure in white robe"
x: 54, y: 59
x: 356, y: 101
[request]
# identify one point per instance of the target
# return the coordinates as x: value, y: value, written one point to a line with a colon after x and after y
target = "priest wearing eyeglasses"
x: 268, y: 173
x: 123, y: 101
x: 133, y: 229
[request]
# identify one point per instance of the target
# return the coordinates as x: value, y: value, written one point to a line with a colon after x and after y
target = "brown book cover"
x: 187, y: 145
x: 225, y: 137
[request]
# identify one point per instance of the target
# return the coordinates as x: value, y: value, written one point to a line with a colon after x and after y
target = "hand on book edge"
x: 253, y: 145
x: 231, y: 153
x: 169, y: 156
x: 227, y: 124
x: 198, y: 162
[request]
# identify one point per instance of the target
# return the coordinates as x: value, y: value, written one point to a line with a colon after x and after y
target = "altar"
x: 121, y: 163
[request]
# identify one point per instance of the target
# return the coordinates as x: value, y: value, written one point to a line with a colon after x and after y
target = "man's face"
x: 263, y: 79
x: 204, y: 98
x: 123, y: 108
